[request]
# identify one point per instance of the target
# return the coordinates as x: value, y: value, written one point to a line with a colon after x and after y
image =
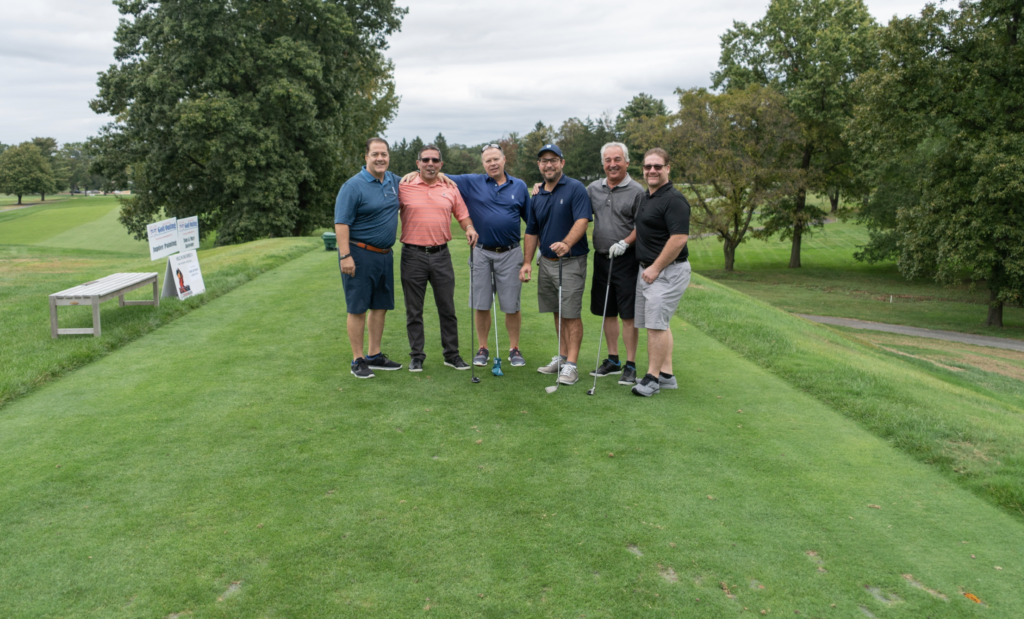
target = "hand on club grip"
x: 618, y: 249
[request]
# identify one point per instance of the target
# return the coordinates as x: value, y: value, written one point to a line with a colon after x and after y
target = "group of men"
x: 640, y: 260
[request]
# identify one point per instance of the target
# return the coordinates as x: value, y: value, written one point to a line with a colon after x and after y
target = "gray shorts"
x: 574, y: 280
x: 505, y: 270
x: 655, y: 303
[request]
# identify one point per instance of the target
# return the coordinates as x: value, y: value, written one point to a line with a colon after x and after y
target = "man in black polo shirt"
x: 662, y: 228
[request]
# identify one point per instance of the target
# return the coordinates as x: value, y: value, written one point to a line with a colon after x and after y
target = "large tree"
x: 581, y: 141
x: 812, y: 51
x: 24, y: 170
x: 734, y: 152
x: 248, y: 114
x: 943, y: 116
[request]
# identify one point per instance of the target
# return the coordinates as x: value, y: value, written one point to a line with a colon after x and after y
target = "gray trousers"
x: 419, y: 268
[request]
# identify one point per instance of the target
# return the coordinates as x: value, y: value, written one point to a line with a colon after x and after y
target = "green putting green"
x: 81, y: 223
x: 228, y: 465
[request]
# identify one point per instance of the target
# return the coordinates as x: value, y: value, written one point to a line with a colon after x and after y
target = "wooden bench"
x: 96, y: 292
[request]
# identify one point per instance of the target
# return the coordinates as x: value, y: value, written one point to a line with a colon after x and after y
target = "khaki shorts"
x: 496, y: 274
x: 574, y: 280
x: 657, y: 302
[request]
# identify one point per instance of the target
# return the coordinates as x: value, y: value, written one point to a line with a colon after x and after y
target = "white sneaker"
x: 569, y: 375
x: 552, y: 367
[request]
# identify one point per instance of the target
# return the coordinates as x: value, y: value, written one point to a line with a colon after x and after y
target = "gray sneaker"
x: 481, y: 357
x: 667, y: 383
x: 646, y: 387
x: 515, y: 358
x: 569, y: 375
x: 552, y: 367
x: 628, y: 376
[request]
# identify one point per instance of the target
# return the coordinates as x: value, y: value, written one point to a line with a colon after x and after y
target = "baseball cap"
x: 553, y: 149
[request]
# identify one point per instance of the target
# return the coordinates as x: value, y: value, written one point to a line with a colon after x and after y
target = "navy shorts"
x: 373, y: 285
x: 622, y: 296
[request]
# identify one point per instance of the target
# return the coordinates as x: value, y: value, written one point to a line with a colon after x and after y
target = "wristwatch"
x: 343, y: 257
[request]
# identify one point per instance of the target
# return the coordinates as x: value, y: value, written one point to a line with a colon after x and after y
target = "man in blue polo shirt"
x: 497, y: 203
x: 365, y: 221
x: 557, y: 224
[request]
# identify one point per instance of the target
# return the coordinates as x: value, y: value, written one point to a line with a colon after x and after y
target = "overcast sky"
x: 472, y: 69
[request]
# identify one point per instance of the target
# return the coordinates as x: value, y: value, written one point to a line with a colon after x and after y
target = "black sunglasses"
x: 653, y: 166
x: 430, y: 159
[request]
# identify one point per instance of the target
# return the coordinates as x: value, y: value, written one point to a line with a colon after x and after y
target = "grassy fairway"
x: 832, y: 283
x: 227, y: 465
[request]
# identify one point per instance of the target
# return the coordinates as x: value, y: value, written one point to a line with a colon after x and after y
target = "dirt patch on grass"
x: 1009, y: 363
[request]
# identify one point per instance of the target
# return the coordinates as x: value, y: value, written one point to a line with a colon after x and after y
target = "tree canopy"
x: 812, y: 51
x: 24, y: 170
x: 248, y: 114
x: 942, y: 116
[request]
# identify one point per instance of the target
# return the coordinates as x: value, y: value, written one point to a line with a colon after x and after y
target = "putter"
x: 558, y: 364
x: 496, y: 370
x: 472, y: 320
x: 604, y: 312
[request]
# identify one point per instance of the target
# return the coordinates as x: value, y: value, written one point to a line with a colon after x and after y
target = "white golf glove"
x: 618, y: 249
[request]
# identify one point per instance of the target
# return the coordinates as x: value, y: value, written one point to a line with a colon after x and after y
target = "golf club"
x: 558, y: 357
x: 496, y: 370
x: 472, y: 321
x: 604, y: 312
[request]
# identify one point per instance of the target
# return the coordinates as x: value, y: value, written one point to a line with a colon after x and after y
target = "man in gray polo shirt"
x: 615, y: 199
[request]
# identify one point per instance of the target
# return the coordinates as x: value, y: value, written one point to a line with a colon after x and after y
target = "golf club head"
x: 551, y: 389
x: 590, y: 392
x: 476, y: 379
x: 496, y: 370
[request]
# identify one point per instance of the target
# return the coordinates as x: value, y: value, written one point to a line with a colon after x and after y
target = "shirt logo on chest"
x: 561, y: 201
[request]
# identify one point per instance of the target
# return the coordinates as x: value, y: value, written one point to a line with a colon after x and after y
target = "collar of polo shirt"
x: 625, y: 181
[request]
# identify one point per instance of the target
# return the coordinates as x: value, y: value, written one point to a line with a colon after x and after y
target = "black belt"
x: 499, y: 250
x: 647, y: 264
x: 427, y: 250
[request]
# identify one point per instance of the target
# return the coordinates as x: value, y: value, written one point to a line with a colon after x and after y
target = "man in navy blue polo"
x: 497, y: 203
x: 365, y: 221
x: 557, y: 224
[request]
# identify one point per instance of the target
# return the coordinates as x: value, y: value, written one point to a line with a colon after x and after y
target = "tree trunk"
x: 730, y: 255
x: 19, y: 198
x: 42, y: 197
x: 833, y: 199
x: 794, y: 253
x: 995, y: 310
x: 798, y: 212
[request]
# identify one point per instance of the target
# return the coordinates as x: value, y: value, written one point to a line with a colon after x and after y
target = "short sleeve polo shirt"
x: 427, y: 210
x: 614, y: 211
x: 553, y: 214
x: 496, y: 210
x: 660, y: 216
x: 369, y: 208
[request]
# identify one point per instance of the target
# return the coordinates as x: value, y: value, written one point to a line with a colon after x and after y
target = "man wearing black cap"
x: 557, y: 225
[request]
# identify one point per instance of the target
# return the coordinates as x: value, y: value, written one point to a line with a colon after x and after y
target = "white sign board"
x: 188, y: 234
x: 163, y: 238
x: 183, y: 277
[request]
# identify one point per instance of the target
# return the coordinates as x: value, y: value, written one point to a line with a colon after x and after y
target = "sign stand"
x: 183, y: 278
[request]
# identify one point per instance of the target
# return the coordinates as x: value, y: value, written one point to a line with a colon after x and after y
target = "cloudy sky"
x: 472, y: 69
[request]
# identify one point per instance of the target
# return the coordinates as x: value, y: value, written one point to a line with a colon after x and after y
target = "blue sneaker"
x: 381, y: 362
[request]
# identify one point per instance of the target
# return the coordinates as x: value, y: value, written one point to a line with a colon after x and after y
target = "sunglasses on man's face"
x: 430, y: 160
x: 653, y: 166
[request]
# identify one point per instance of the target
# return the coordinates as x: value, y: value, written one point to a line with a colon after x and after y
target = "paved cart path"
x: 935, y: 334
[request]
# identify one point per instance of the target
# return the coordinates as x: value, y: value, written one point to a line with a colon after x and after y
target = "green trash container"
x: 330, y: 241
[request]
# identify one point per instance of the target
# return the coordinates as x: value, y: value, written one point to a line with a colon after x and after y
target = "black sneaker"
x: 628, y: 376
x: 360, y: 369
x: 608, y: 368
x: 457, y: 363
x: 481, y: 357
x: 381, y: 362
x: 416, y: 365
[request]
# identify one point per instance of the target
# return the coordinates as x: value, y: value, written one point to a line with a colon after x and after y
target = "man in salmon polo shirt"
x: 426, y: 208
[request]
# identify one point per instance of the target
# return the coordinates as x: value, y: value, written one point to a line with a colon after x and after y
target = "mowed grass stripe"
x: 103, y: 234
x: 228, y: 465
x: 39, y: 223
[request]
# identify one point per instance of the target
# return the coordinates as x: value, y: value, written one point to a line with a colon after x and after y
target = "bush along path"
x: 228, y: 465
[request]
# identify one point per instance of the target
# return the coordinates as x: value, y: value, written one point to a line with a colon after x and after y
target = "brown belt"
x: 372, y: 248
